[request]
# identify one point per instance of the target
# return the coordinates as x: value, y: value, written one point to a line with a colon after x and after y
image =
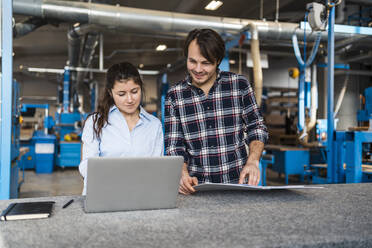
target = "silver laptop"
x: 118, y: 184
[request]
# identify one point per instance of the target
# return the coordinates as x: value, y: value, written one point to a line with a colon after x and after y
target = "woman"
x: 121, y: 127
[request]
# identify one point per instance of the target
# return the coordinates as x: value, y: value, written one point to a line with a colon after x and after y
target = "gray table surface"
x: 336, y: 216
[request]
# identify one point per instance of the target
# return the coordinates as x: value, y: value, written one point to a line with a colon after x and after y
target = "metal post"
x: 277, y: 11
x: 301, y: 100
x: 261, y: 9
x: 331, y: 171
x: 46, y: 118
x: 164, y: 89
x: 96, y: 96
x: 101, y: 51
x: 6, y: 97
x: 66, y: 90
x: 93, y: 96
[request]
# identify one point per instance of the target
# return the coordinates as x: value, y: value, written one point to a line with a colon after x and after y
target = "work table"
x: 335, y: 216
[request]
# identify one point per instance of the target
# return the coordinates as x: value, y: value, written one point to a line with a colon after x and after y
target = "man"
x: 206, y: 116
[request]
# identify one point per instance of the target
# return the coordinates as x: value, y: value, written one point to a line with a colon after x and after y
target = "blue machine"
x: 15, y: 143
x: 68, y: 129
x: 352, y: 150
x: 63, y: 135
x: 41, y: 145
x: 321, y: 131
x: 288, y: 160
x: 366, y: 114
x: 342, y: 157
x: 44, y: 151
x: 15, y: 122
x: 48, y: 120
x: 69, y: 149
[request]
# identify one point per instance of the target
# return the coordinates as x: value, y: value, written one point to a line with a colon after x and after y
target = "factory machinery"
x: 332, y: 156
x: 329, y: 156
x: 54, y: 141
x: 352, y: 153
x: 15, y: 146
x: 39, y: 141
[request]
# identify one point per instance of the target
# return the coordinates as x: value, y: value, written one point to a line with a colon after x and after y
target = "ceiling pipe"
x: 268, y: 52
x: 358, y: 57
x: 141, y: 50
x: 153, y: 21
x: 74, y: 42
x: 74, y: 37
x: 342, y: 46
x: 61, y: 71
x: 340, y: 13
x: 314, y: 99
x: 79, y: 56
x: 343, y: 43
x: 27, y: 26
x: 256, y: 58
x: 341, y: 96
x: 101, y: 66
x: 313, y: 111
x: 361, y: 2
x: 354, y: 72
x: 90, y: 44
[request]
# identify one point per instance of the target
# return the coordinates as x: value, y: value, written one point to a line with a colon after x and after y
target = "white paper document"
x: 228, y: 186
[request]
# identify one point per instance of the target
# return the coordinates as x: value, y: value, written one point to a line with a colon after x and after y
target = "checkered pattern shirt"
x: 209, y: 131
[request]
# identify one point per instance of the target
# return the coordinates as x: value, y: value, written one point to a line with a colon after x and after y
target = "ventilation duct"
x: 257, y: 68
x: 152, y: 21
x: 82, y: 88
x: 81, y: 57
x: 27, y: 26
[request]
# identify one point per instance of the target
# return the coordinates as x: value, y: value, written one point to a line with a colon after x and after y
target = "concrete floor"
x: 60, y: 182
x: 69, y: 182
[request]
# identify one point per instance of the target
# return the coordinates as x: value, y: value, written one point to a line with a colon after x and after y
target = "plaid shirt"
x: 208, y: 131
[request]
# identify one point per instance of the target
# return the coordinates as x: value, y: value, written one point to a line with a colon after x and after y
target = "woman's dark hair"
x: 121, y: 72
x: 211, y: 45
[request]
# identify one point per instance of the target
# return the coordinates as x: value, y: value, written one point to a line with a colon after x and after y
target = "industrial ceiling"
x: 46, y: 47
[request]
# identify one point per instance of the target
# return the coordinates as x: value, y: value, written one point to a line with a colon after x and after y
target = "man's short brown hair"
x: 211, y: 45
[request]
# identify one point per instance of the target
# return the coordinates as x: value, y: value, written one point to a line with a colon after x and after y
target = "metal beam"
x: 268, y: 9
x: 331, y: 170
x: 361, y: 2
x: 6, y: 97
x: 354, y: 72
x: 83, y: 69
x: 344, y: 29
x: 359, y: 57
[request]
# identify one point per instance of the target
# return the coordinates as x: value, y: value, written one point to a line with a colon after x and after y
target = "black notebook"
x: 27, y: 210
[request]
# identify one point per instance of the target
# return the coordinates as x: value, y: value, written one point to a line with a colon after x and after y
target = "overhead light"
x: 148, y: 72
x: 141, y: 65
x: 161, y: 47
x: 213, y: 5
